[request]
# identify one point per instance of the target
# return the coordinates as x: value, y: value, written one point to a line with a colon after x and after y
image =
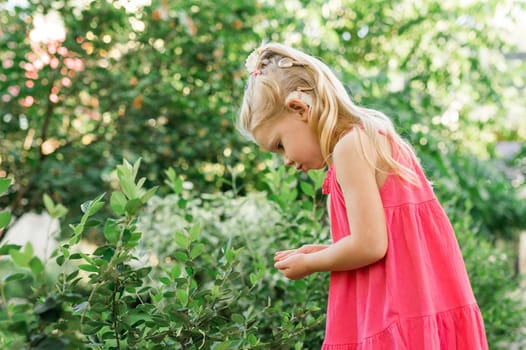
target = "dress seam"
x: 393, y: 324
x: 434, y: 314
x: 407, y: 204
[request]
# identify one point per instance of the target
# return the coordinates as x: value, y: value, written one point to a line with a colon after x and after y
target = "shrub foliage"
x: 195, y: 272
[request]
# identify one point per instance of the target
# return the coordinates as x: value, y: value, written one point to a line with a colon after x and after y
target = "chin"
x: 313, y: 168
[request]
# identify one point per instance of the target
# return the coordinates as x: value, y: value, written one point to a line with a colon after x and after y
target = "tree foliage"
x: 84, y: 84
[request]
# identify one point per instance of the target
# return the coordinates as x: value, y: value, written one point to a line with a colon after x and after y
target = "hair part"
x: 332, y: 113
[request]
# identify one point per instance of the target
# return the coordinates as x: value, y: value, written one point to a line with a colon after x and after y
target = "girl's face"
x: 291, y: 136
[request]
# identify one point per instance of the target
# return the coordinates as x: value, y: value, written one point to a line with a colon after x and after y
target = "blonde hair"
x: 277, y: 71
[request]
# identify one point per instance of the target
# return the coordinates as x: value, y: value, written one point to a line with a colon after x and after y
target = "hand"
x: 293, y: 264
x: 294, y: 267
x: 306, y: 249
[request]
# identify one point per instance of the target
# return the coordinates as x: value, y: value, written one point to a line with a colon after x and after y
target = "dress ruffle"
x: 457, y: 329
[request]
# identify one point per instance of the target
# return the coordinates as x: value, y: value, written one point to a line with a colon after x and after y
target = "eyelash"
x: 279, y: 146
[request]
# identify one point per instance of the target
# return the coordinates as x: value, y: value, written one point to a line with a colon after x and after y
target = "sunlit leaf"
x: 5, y: 219
x: 4, y: 185
x: 118, y: 202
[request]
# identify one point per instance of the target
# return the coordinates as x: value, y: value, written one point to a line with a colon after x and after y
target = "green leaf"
x: 129, y: 188
x: 181, y: 240
x: 5, y: 219
x: 194, y: 232
x: 253, y: 278
x: 136, y: 166
x: 165, y: 280
x: 91, y: 328
x: 175, y: 271
x: 86, y: 257
x: 317, y: 176
x: 4, y: 185
x: 237, y: 318
x: 60, y: 260
x: 230, y: 255
x: 93, y: 223
x: 182, y: 295
x: 55, y: 210
x: 307, y: 188
x: 19, y: 258
x: 118, y: 202
x: 223, y: 346
x: 178, y: 185
x: 89, y: 268
x: 135, y: 236
x: 59, y: 211
x: 4, y: 250
x: 13, y: 277
x: 173, y: 181
x: 197, y: 250
x: 252, y: 339
x: 48, y: 203
x: 72, y: 275
x: 36, y: 266
x: 93, y: 206
x: 148, y: 195
x: 140, y: 183
x: 181, y: 257
x: 28, y: 250
x: 133, y: 206
x: 112, y: 231
x: 143, y: 272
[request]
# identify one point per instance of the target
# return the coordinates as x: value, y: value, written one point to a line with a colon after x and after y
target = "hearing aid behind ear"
x: 299, y: 94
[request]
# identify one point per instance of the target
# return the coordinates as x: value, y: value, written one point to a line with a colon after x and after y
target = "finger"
x: 284, y: 254
x: 281, y: 265
x: 306, y: 249
x: 284, y: 251
x: 311, y: 248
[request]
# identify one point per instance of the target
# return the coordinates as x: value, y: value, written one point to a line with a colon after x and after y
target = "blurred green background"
x: 84, y: 84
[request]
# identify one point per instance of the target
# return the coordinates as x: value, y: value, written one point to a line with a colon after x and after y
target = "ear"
x: 299, y: 107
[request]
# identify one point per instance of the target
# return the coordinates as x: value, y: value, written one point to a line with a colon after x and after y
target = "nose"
x: 288, y: 161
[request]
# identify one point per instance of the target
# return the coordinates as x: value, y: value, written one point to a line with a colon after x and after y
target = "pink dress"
x: 418, y: 297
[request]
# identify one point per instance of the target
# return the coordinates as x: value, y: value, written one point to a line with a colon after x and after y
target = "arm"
x: 368, y: 242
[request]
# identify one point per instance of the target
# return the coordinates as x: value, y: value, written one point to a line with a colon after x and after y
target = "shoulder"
x: 354, y: 145
x: 362, y: 152
x: 354, y: 154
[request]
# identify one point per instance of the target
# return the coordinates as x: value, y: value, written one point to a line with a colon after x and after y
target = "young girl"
x: 398, y: 279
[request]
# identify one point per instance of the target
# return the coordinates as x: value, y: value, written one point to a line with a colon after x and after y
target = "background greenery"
x: 162, y: 81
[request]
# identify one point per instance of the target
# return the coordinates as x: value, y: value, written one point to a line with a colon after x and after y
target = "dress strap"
x: 326, y: 187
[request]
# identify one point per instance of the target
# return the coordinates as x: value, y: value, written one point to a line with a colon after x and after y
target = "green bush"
x: 495, y: 284
x: 293, y: 311
x: 199, y: 298
x: 189, y: 271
